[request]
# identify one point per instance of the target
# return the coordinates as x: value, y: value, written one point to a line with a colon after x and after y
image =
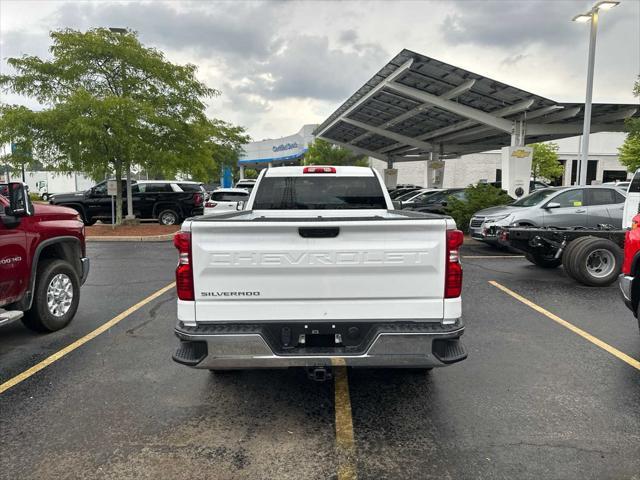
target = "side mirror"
x: 19, y: 203
x: 240, y: 205
x: 444, y: 204
x: 552, y: 205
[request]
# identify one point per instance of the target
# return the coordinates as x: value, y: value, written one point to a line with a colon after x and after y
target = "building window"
x: 592, y: 171
x: 614, y: 176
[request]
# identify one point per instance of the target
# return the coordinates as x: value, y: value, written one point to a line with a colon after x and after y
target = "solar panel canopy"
x: 416, y: 106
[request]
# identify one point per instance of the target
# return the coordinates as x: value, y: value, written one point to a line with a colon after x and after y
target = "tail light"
x: 319, y: 170
x: 198, y: 198
x: 210, y: 204
x: 184, y: 272
x: 453, y: 269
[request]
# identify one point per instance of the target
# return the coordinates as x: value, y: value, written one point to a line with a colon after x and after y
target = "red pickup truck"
x: 43, y: 261
x: 629, y: 278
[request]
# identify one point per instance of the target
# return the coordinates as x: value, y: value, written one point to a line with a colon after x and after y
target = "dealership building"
x: 455, y: 171
x: 276, y: 151
x: 603, y: 165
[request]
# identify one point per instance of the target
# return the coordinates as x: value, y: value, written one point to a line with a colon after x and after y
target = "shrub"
x: 478, y: 197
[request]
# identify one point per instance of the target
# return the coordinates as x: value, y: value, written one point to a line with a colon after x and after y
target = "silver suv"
x: 553, y: 207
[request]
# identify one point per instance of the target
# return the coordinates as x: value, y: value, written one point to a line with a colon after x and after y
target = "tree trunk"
x: 118, y: 169
x: 130, y: 214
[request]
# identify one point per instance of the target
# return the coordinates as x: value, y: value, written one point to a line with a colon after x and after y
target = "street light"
x: 591, y: 15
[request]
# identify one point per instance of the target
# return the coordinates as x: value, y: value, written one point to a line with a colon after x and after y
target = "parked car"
x: 288, y: 282
x: 43, y: 261
x: 168, y: 201
x: 533, y: 185
x: 437, y: 202
x: 414, y: 199
x: 225, y: 199
x: 619, y: 183
x: 585, y: 206
x: 399, y: 191
x: 631, y: 268
x: 246, y: 183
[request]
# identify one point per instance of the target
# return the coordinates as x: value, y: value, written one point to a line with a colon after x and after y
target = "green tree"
x: 478, y: 197
x: 321, y: 152
x: 630, y: 149
x: 544, y: 163
x: 109, y: 103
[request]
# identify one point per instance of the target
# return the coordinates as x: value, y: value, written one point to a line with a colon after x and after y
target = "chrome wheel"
x: 59, y: 295
x: 601, y: 263
x: 168, y: 218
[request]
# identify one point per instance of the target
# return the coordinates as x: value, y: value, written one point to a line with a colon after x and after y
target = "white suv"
x: 225, y: 200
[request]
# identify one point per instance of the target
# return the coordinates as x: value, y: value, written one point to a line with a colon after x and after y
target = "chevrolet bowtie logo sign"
x: 520, y: 153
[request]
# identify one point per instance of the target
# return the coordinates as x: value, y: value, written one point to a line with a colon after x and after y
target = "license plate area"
x: 319, y: 338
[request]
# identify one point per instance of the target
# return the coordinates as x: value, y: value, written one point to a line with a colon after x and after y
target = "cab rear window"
x: 635, y: 184
x: 318, y: 192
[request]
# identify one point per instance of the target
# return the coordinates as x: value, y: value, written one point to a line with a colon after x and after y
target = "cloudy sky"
x: 281, y: 64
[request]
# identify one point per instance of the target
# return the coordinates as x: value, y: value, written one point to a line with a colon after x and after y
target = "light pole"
x: 592, y: 16
x: 130, y: 215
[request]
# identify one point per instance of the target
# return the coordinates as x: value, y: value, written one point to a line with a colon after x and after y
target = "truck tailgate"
x: 373, y: 269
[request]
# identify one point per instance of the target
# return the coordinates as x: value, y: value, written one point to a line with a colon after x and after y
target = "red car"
x: 43, y: 261
x: 629, y: 287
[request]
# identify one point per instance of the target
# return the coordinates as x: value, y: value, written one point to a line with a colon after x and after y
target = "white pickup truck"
x: 319, y: 270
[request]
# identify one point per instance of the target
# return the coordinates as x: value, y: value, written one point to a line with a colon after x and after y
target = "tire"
x: 90, y: 222
x: 168, y: 217
x: 567, y: 256
x: 543, y: 261
x: 52, y: 276
x: 596, y: 262
x: 45, y: 197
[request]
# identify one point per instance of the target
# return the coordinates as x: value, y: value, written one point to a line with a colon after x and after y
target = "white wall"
x: 408, y: 172
x: 469, y: 169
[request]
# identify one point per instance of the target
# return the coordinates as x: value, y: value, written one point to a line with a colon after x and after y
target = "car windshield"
x: 534, y: 198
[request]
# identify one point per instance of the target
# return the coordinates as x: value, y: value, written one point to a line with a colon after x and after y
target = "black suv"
x: 168, y: 201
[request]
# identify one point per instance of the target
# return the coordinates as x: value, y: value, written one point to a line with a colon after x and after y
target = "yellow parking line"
x: 81, y: 341
x: 587, y: 336
x: 345, y: 442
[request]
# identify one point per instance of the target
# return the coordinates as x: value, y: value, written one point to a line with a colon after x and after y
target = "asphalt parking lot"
x: 535, y: 399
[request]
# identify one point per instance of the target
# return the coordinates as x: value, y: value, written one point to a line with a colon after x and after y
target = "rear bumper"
x: 625, y: 283
x: 406, y: 345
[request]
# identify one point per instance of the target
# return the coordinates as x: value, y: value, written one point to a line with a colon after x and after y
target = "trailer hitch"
x: 319, y: 374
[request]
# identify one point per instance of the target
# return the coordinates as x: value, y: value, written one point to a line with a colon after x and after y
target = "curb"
x: 138, y: 238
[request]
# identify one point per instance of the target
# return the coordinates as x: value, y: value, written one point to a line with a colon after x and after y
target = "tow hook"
x: 319, y: 374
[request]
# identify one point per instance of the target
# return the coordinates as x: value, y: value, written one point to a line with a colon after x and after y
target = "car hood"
x: 54, y: 212
x: 498, y: 210
x: 67, y: 197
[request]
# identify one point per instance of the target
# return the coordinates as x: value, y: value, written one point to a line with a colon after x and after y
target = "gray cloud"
x: 512, y: 60
x: 348, y: 36
x: 240, y: 29
x: 245, y: 37
x: 308, y: 67
x: 510, y: 23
